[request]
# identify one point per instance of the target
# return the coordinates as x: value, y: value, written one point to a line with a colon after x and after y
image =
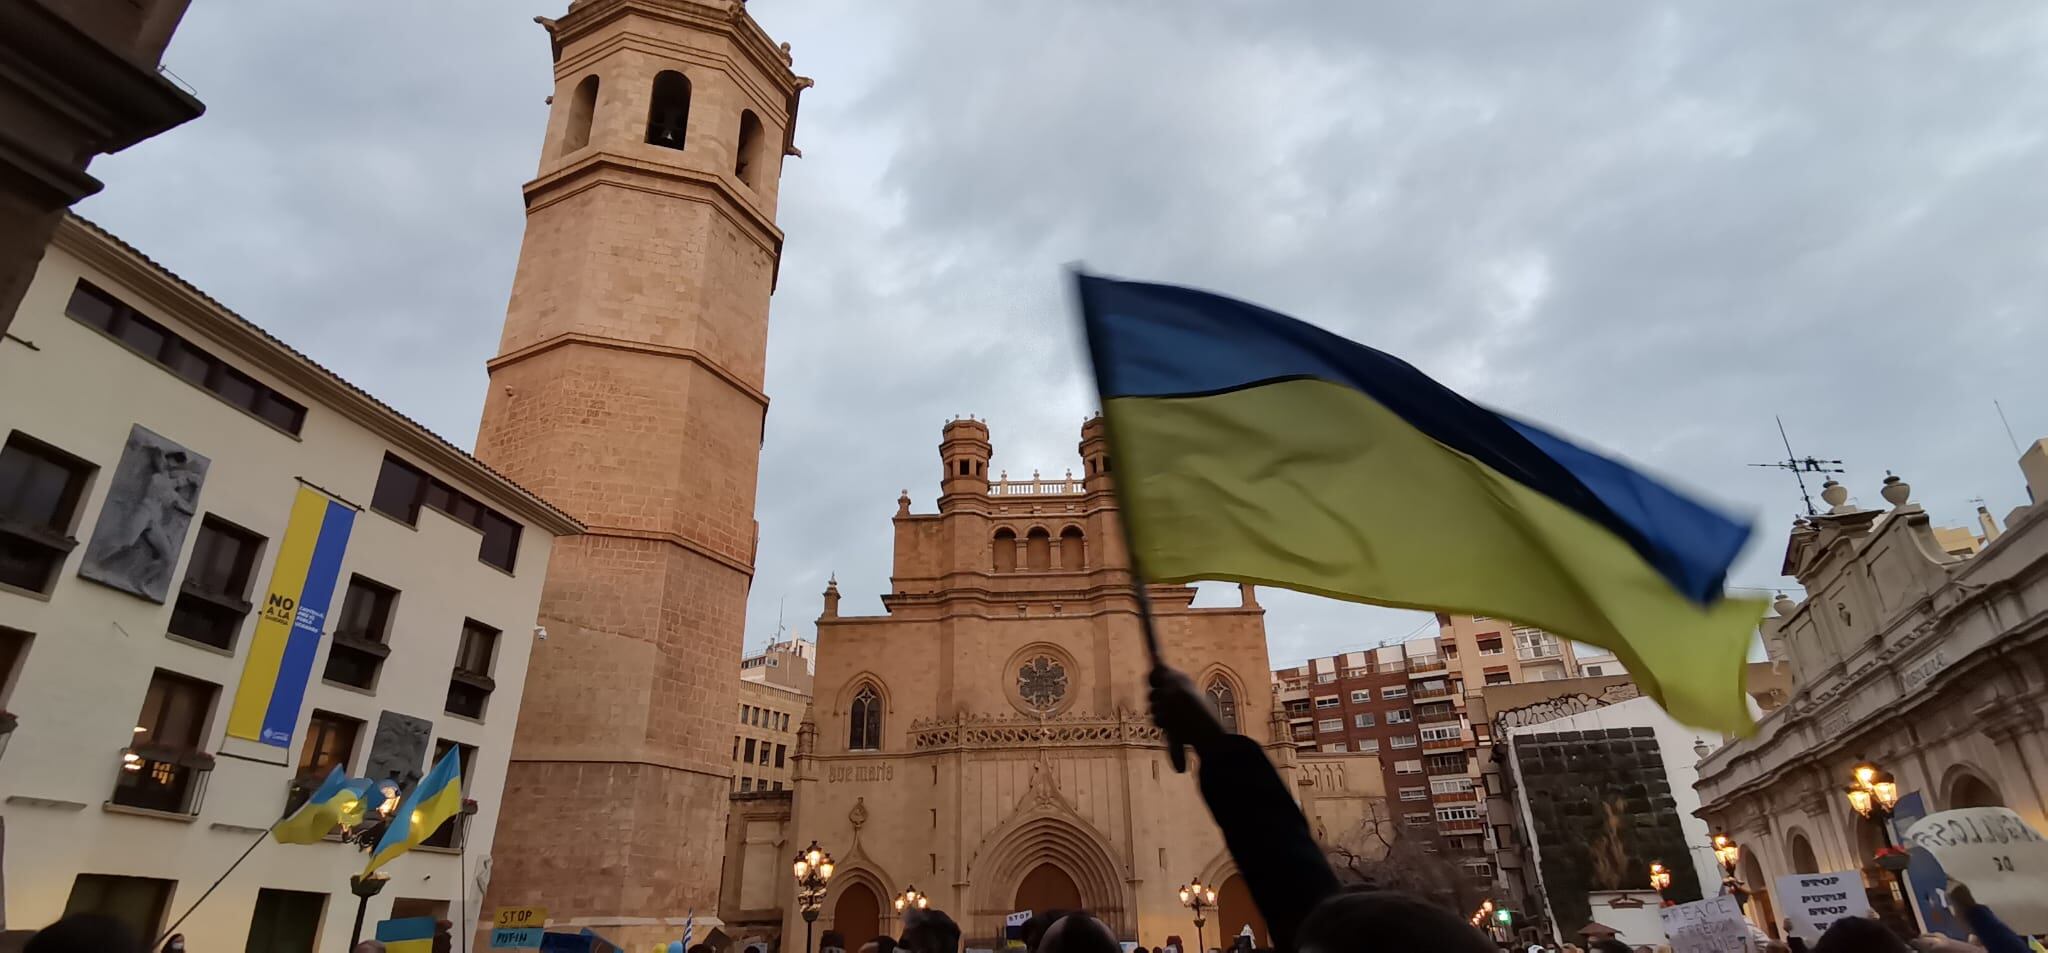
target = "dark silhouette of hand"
x: 1180, y: 711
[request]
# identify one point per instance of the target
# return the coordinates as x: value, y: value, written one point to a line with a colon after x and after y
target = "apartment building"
x: 224, y: 572
x: 775, y: 688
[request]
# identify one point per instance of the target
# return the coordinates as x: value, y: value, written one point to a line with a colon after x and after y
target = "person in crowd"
x: 1991, y: 932
x: 1306, y: 909
x: 1035, y: 927
x: 929, y: 931
x: 176, y: 944
x: 1078, y: 932
x: 1859, y: 935
x: 84, y: 933
x: 880, y: 944
x: 1608, y: 945
x: 831, y: 942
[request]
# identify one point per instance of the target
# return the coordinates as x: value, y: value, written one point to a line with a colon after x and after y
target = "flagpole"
x: 175, y: 924
x: 466, y: 925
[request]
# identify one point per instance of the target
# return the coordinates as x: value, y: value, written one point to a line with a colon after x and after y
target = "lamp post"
x: 1198, y: 898
x: 910, y: 899
x: 813, y: 872
x: 1728, y: 853
x: 384, y: 797
x: 1660, y: 880
x: 1872, y: 795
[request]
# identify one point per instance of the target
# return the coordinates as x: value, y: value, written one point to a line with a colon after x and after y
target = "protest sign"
x: 1992, y: 851
x: 1713, y: 925
x: 1812, y: 901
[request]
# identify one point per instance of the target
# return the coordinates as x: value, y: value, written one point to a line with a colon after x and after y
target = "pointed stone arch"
x: 1046, y: 830
x: 1234, y: 720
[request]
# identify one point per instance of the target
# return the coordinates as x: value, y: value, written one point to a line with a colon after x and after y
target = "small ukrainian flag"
x: 433, y: 801
x: 337, y: 800
x: 1252, y: 447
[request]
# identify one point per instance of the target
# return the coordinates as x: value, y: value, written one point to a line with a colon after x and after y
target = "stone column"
x: 2014, y: 727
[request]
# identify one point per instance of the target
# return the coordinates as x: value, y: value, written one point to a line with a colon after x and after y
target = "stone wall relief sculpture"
x: 149, y: 509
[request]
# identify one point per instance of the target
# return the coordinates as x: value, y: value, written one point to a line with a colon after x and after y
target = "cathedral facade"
x: 985, y: 740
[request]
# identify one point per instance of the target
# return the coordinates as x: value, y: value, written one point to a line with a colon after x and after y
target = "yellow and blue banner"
x: 294, y: 612
x: 433, y: 801
x: 407, y: 935
x: 1253, y: 447
x: 337, y: 801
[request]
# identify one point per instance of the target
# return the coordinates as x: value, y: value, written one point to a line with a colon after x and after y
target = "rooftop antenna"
x: 1800, y: 466
x: 2008, y: 428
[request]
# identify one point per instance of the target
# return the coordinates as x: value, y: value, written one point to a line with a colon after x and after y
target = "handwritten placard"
x: 1813, y: 901
x: 1713, y: 925
x: 1993, y: 852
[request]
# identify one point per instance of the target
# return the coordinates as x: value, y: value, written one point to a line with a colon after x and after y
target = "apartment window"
x: 1414, y: 794
x: 1442, y: 732
x: 1400, y: 716
x: 330, y: 743
x: 403, y: 488
x: 470, y: 685
x: 746, y: 785
x: 743, y: 713
x: 1401, y: 741
x: 166, y: 349
x: 747, y: 751
x: 1325, y: 678
x: 214, y: 597
x: 163, y: 768
x: 1458, y: 813
x: 1419, y: 819
x: 286, y: 920
x: 13, y: 649
x: 1408, y: 767
x: 780, y: 751
x: 1330, y: 724
x: 1328, y: 701
x: 1440, y: 763
x: 1392, y: 692
x: 139, y: 903
x: 1361, y: 696
x: 1335, y: 746
x: 764, y: 754
x: 1534, y: 643
x: 1592, y: 669
x: 1499, y: 678
x: 362, y: 634
x: 1490, y: 646
x: 465, y: 760
x: 1369, y: 745
x: 40, y: 487
x: 1450, y: 786
x: 778, y: 785
x: 1363, y: 719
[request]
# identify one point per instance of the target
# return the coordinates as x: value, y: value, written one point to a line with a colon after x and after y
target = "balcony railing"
x: 157, y: 778
x: 1441, y: 744
x: 1421, y: 664
x: 1527, y: 653
x: 1421, y: 693
x: 1476, y: 824
x: 1004, y: 486
x: 1446, y: 797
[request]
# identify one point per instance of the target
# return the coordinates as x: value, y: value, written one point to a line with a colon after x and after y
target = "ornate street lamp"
x: 1660, y: 880
x: 910, y: 899
x: 813, y: 869
x: 1198, y: 898
x: 1872, y: 793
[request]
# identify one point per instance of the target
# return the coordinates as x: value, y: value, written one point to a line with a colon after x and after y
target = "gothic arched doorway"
x: 1760, y: 910
x: 858, y: 915
x: 1045, y: 888
x: 1234, y: 909
x: 1969, y: 790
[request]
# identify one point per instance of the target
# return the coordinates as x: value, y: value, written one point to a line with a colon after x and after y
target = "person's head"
x: 880, y: 944
x: 1078, y: 932
x: 1860, y: 935
x: 832, y: 940
x: 84, y: 933
x: 929, y: 931
x: 1035, y: 927
x: 1385, y: 920
x: 1608, y: 945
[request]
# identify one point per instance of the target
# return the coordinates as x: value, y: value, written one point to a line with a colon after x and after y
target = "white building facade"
x: 223, y: 572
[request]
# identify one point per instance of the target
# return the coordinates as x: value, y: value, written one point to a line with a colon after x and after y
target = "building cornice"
x: 171, y: 296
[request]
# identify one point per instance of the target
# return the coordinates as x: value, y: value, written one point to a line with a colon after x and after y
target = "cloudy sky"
x: 1649, y: 225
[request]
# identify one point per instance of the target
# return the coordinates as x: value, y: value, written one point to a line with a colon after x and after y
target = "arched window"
x: 746, y: 164
x: 1969, y: 790
x: 1038, y: 549
x: 1072, y: 552
x: 668, y: 118
x: 582, y: 109
x: 864, y: 720
x: 1801, y: 852
x: 1005, y: 546
x: 1223, y: 699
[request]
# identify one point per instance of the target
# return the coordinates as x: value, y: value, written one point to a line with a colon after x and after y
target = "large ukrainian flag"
x: 1253, y: 447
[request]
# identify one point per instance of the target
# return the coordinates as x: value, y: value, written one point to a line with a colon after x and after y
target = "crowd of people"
x: 1306, y: 908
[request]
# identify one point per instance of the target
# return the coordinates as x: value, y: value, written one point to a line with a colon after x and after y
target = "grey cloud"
x: 1650, y: 226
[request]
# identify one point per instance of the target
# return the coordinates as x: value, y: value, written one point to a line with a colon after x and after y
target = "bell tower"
x: 628, y: 391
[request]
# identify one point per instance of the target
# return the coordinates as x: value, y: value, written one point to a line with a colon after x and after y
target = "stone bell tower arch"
x: 628, y: 390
